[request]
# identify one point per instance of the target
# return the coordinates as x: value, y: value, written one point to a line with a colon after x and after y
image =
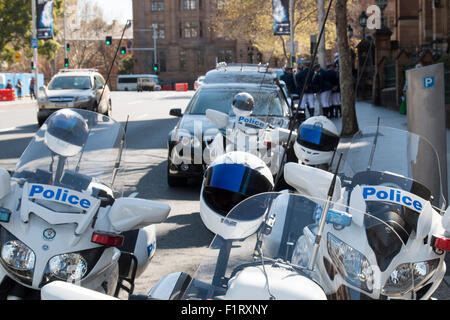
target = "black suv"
x: 74, y: 88
x: 217, y: 92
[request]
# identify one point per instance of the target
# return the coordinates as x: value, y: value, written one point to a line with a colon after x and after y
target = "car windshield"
x: 70, y: 82
x: 267, y: 102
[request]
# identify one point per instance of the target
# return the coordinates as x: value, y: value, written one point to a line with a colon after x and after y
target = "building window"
x: 225, y: 56
x: 220, y: 4
x: 200, y: 59
x: 183, y: 60
x: 201, y: 30
x: 162, y: 61
x: 158, y: 6
x: 189, y: 4
x: 190, y: 30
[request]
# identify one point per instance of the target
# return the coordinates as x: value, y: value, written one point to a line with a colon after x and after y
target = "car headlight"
x: 17, y: 257
x: 67, y: 267
x: 189, y: 141
x: 408, y: 276
x: 351, y: 264
x: 42, y: 99
x: 84, y: 98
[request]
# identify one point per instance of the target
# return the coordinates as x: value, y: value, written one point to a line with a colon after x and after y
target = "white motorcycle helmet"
x: 230, y: 179
x: 66, y: 133
x: 243, y: 105
x: 316, y: 142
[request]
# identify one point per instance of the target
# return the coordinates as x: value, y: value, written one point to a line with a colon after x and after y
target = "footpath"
x: 367, y: 115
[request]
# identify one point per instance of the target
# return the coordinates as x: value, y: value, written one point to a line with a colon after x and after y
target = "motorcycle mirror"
x: 357, y: 206
x: 220, y: 119
x: 60, y: 290
x: 132, y: 213
x: 424, y: 222
x: 311, y: 181
x: 283, y: 135
x: 5, y: 183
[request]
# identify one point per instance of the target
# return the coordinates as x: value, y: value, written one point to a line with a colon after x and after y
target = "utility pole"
x: 291, y: 18
x: 34, y: 45
x: 65, y: 41
x: 322, y: 54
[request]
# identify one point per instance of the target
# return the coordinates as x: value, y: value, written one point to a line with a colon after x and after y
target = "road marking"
x: 142, y: 116
x: 8, y: 129
x: 136, y: 102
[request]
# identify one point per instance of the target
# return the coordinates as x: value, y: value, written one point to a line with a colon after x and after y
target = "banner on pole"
x: 281, y: 24
x: 44, y: 19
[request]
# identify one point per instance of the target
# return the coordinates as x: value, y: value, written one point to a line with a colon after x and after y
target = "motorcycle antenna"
x: 294, y: 119
x: 323, y: 218
x: 372, y: 152
x: 127, y: 25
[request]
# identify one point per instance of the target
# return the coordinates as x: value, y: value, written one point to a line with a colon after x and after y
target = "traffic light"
x: 66, y: 62
x: 156, y: 67
x: 108, y: 40
x: 32, y: 65
x: 123, y: 50
x: 67, y: 46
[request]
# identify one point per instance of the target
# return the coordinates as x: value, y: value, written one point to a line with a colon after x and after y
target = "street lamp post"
x: 363, y: 22
x: 382, y: 4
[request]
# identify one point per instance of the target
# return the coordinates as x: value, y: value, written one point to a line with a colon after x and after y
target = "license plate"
x: 61, y: 104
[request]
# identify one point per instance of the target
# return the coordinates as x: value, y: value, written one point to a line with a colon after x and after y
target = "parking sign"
x: 428, y: 82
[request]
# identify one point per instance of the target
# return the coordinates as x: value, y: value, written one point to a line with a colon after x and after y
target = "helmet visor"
x: 317, y: 138
x: 226, y: 185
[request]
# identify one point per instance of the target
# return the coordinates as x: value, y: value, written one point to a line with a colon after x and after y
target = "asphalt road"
x: 182, y: 239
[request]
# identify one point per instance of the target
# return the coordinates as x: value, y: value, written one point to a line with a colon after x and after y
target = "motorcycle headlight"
x: 67, y: 267
x: 71, y: 267
x: 16, y: 257
x: 409, y: 276
x: 351, y: 264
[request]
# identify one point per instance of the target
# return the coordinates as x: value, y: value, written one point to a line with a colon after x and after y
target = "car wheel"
x: 175, y: 181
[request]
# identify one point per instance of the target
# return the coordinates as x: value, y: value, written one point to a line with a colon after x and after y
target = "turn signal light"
x: 441, y: 243
x: 107, y: 239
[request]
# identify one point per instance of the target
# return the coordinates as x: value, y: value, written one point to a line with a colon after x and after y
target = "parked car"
x: 198, y: 82
x: 146, y: 84
x: 217, y: 92
x: 74, y: 88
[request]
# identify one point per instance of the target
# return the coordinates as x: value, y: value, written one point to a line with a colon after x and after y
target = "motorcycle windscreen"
x: 352, y: 249
x: 226, y: 185
x: 316, y: 138
x: 397, y: 159
x: 98, y: 158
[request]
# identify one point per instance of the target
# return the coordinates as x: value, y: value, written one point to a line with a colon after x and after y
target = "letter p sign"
x: 428, y: 82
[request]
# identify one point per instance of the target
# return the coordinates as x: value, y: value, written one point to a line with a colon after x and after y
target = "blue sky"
x: 120, y: 10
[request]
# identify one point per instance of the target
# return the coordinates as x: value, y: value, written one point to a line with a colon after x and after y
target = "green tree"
x: 127, y: 65
x: 16, y: 29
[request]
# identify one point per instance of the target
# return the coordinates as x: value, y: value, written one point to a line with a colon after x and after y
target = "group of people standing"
x: 322, y: 85
x: 19, y: 88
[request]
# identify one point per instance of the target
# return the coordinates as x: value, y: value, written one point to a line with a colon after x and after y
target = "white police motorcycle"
x: 62, y: 216
x: 377, y: 231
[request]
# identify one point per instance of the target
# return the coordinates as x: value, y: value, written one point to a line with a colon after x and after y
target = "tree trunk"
x: 349, y: 120
x: 322, y: 54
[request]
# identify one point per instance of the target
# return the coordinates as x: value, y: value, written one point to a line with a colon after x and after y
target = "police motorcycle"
x: 257, y: 256
x: 393, y: 176
x: 240, y: 160
x: 376, y: 231
x: 62, y: 214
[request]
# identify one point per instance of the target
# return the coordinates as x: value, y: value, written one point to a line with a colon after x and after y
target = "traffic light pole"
x: 35, y: 50
x: 65, y: 41
x: 115, y: 56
